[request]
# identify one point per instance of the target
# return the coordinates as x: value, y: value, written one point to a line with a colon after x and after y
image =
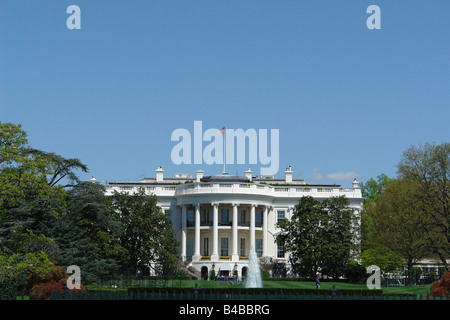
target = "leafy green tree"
x: 340, y: 230
x: 93, y: 212
x: 33, y: 201
x: 382, y: 257
x: 147, y: 234
x: 398, y: 223
x: 28, y: 179
x: 75, y: 248
x: 14, y: 268
x: 427, y: 167
x: 373, y: 188
x: 319, y: 236
x: 355, y: 272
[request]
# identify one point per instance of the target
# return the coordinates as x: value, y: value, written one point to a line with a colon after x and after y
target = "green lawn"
x: 419, y: 290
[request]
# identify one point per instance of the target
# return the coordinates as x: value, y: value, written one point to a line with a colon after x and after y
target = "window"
x: 280, y: 215
x: 243, y: 217
x: 190, y: 217
x: 280, y: 251
x: 224, y: 216
x: 224, y: 247
x: 205, y: 217
x: 189, y: 247
x: 259, y: 247
x: 258, y: 218
x: 242, y: 248
x: 206, y: 246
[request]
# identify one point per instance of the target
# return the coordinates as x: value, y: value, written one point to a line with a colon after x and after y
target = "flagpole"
x: 224, y: 141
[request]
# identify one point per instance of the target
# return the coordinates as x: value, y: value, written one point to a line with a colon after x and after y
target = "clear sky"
x: 347, y: 100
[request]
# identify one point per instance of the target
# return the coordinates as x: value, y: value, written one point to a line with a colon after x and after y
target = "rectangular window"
x: 242, y: 248
x: 190, y: 217
x: 205, y: 217
x: 280, y: 215
x: 259, y: 247
x: 189, y: 247
x: 224, y: 216
x: 242, y: 218
x: 224, y: 247
x: 206, y: 246
x: 280, y: 251
x: 258, y: 218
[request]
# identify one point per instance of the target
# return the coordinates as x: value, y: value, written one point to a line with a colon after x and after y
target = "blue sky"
x: 347, y: 100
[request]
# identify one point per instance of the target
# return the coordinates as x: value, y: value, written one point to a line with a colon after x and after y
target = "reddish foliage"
x: 441, y: 288
x: 53, y: 282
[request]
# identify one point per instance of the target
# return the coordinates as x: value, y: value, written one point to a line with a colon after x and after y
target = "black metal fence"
x: 206, y: 294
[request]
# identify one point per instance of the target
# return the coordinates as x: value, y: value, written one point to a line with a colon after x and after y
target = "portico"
x: 223, y: 230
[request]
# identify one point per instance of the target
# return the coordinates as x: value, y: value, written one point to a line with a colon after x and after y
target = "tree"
x: 382, y: 257
x: 340, y: 232
x: 319, y: 236
x: 147, y: 234
x: 427, y: 167
x: 373, y: 188
x: 59, y: 168
x: 14, y: 268
x: 396, y: 222
x: 29, y: 177
x: 93, y: 212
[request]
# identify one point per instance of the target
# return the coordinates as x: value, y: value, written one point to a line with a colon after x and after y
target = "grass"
x: 418, y: 290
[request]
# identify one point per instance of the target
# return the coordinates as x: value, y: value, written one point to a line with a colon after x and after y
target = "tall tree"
x: 396, y: 222
x: 28, y: 174
x: 147, y: 234
x: 29, y: 179
x: 373, y: 188
x: 319, y: 236
x: 93, y: 212
x: 428, y: 168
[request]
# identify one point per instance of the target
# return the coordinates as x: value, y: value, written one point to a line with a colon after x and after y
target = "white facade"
x: 217, y: 219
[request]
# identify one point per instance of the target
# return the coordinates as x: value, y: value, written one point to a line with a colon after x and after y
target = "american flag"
x: 221, y: 130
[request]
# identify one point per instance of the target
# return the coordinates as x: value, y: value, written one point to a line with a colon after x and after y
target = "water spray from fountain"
x: 254, y: 279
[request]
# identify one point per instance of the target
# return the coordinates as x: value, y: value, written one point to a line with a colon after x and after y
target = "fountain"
x: 254, y: 279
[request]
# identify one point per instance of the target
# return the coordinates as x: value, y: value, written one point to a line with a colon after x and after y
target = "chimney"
x: 248, y: 174
x: 159, y: 174
x: 199, y: 174
x: 288, y: 174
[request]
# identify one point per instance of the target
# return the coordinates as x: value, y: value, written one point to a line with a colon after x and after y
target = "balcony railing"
x: 236, y: 188
x: 191, y: 223
x: 262, y: 189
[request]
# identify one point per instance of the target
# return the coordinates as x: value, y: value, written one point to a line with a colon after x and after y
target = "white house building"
x: 218, y: 218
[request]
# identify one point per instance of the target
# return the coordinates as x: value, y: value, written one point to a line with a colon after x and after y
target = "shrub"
x: 441, y: 288
x: 52, y: 282
x: 265, y: 274
x: 355, y: 272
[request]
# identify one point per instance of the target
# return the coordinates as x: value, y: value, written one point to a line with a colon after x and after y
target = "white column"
x: 196, y: 256
x: 265, y: 231
x: 215, y: 239
x: 234, y: 253
x: 183, y: 232
x: 252, y: 226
